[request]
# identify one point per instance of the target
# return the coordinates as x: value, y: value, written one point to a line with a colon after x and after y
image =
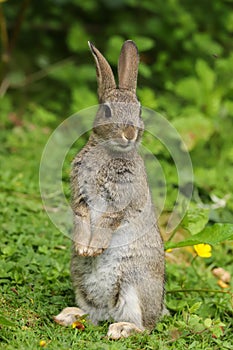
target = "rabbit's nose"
x: 129, y: 133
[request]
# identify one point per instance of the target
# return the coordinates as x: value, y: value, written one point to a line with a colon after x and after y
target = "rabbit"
x: 117, y: 263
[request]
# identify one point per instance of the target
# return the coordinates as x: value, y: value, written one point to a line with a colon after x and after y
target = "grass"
x: 35, y: 280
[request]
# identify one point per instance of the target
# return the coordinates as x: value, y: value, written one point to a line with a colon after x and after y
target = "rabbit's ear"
x: 128, y: 66
x: 105, y: 77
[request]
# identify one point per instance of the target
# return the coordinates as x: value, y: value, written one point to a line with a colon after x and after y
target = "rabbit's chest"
x: 112, y: 181
x: 100, y: 280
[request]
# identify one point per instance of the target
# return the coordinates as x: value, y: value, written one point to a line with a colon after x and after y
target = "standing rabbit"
x: 117, y: 261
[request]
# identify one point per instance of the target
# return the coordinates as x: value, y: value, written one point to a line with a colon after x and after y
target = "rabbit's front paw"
x: 122, y: 330
x: 68, y: 316
x: 87, y: 251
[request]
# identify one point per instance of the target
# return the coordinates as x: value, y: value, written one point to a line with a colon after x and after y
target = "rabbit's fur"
x: 117, y: 262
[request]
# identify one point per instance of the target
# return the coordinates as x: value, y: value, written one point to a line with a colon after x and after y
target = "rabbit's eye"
x: 107, y: 111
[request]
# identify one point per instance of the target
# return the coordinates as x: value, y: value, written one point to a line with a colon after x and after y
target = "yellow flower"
x: 203, y: 250
x: 42, y: 343
x: 169, y: 250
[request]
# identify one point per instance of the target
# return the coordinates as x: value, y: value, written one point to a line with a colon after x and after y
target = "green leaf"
x: 189, y: 88
x: 206, y: 75
x: 194, y: 128
x: 148, y: 98
x: 204, y: 43
x: 195, y: 220
x: 143, y: 43
x: 144, y: 70
x: 77, y: 38
x: 208, y: 322
x: 113, y: 48
x: 217, y: 331
x: 82, y: 97
x: 5, y: 322
x: 194, y: 322
x: 210, y: 235
x: 193, y: 309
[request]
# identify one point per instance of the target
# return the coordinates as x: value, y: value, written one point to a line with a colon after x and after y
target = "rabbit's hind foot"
x: 68, y: 316
x: 122, y: 330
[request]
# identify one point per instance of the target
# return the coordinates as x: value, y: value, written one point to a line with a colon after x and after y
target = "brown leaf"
x: 78, y: 325
x: 223, y: 284
x: 222, y: 274
x: 15, y: 119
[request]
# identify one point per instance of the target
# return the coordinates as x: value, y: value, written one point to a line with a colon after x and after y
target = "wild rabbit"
x: 117, y: 264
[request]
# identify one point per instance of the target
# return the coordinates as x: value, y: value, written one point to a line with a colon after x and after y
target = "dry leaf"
x: 222, y: 274
x: 223, y: 284
x: 78, y: 325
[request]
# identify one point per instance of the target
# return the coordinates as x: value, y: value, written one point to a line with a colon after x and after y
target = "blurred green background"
x: 186, y: 74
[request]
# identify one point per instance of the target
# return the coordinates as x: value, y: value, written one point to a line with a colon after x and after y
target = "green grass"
x: 35, y: 280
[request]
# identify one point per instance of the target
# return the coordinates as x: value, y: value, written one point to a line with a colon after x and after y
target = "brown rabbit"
x: 117, y: 262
